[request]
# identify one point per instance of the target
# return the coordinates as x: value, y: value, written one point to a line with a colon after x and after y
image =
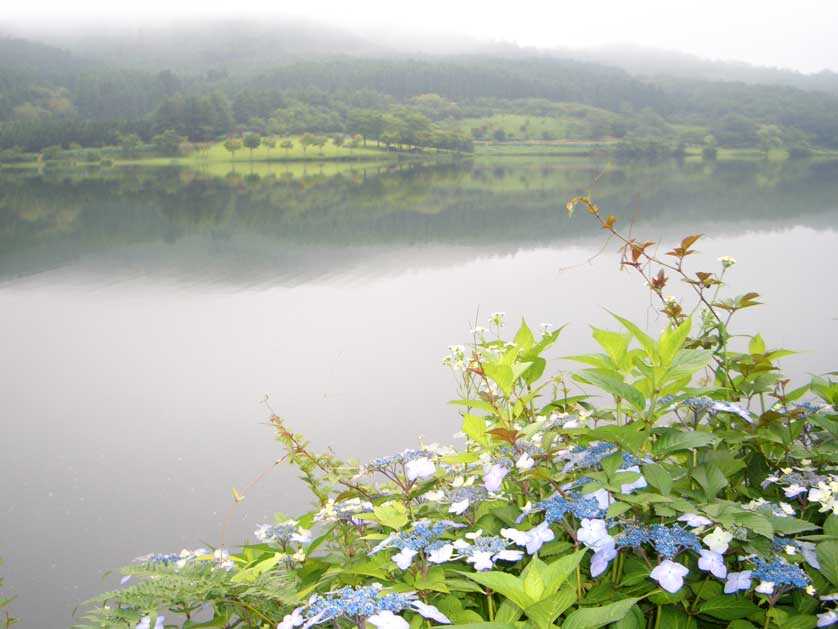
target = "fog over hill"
x: 247, y: 44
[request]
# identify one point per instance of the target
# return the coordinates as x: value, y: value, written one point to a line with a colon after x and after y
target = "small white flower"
x: 509, y: 555
x: 695, y: 521
x: 601, y: 559
x: 493, y: 478
x: 738, y: 581
x: 441, y: 554
x: 727, y: 261
x: 515, y: 536
x: 497, y: 319
x: 404, y: 558
x: 810, y: 590
x: 794, y: 490
x: 787, y: 508
x: 430, y: 612
x: 827, y: 618
x: 594, y: 534
x: 718, y: 541
x: 460, y: 507
x: 525, y: 462
x: 713, y: 563
x: 475, y: 535
x: 670, y: 575
x: 436, y: 495
x: 765, y: 587
x: 539, y: 536
x: 789, y: 549
x: 388, y: 620
x: 419, y: 468
x: 482, y: 560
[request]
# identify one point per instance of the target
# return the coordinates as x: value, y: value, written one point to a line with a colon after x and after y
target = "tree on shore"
x: 308, y: 139
x: 252, y: 141
x: 269, y: 144
x: 233, y: 145
x: 287, y: 145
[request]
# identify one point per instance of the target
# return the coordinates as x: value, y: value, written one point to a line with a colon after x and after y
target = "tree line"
x: 397, y: 102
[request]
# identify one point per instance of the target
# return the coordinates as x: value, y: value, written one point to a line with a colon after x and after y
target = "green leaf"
x: 688, y: 361
x: 757, y: 345
x: 711, y: 478
x: 393, y: 515
x: 827, y: 553
x: 502, y: 375
x: 631, y: 436
x: 482, y: 625
x: 545, y: 611
x: 728, y: 607
x: 593, y: 617
x: 614, y: 343
x: 482, y: 405
x: 475, y: 429
x: 675, y: 618
x: 524, y: 338
x: 615, y: 387
x: 556, y: 573
x: 633, y: 620
x: 674, y: 439
x: 672, y: 340
x: 658, y: 478
x: 644, y: 339
x: 509, y: 586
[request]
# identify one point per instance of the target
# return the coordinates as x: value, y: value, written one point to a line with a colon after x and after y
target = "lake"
x: 145, y: 315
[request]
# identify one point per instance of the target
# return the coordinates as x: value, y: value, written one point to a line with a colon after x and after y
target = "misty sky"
x: 801, y: 34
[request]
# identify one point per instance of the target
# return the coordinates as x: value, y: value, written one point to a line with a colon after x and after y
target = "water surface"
x: 144, y: 316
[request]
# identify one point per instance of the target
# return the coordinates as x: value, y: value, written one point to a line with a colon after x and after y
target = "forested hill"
x: 51, y: 97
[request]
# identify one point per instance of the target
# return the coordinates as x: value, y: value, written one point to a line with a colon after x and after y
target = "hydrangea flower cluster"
x: 369, y: 604
x: 343, y: 510
x: 484, y: 551
x: 578, y: 505
x: 179, y: 560
x: 461, y: 498
x: 587, y: 457
x: 669, y: 541
x: 778, y: 573
x: 424, y: 536
x: 283, y: 534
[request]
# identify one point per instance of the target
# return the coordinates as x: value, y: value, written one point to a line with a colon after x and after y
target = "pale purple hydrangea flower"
x: 670, y: 575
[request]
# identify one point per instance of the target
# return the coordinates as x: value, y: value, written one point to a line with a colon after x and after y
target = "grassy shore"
x: 297, y: 160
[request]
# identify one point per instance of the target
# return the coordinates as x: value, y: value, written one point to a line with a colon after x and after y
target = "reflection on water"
x: 286, y: 229
x: 143, y: 315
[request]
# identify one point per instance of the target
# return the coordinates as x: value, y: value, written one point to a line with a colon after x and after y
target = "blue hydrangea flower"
x: 579, y: 505
x: 356, y: 603
x: 669, y: 541
x: 779, y: 572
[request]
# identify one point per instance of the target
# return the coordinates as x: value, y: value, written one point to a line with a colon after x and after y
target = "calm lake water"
x: 145, y: 315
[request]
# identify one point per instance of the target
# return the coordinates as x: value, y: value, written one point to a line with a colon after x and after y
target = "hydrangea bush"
x: 689, y: 486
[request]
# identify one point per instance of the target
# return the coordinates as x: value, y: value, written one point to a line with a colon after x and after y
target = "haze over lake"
x: 145, y: 314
